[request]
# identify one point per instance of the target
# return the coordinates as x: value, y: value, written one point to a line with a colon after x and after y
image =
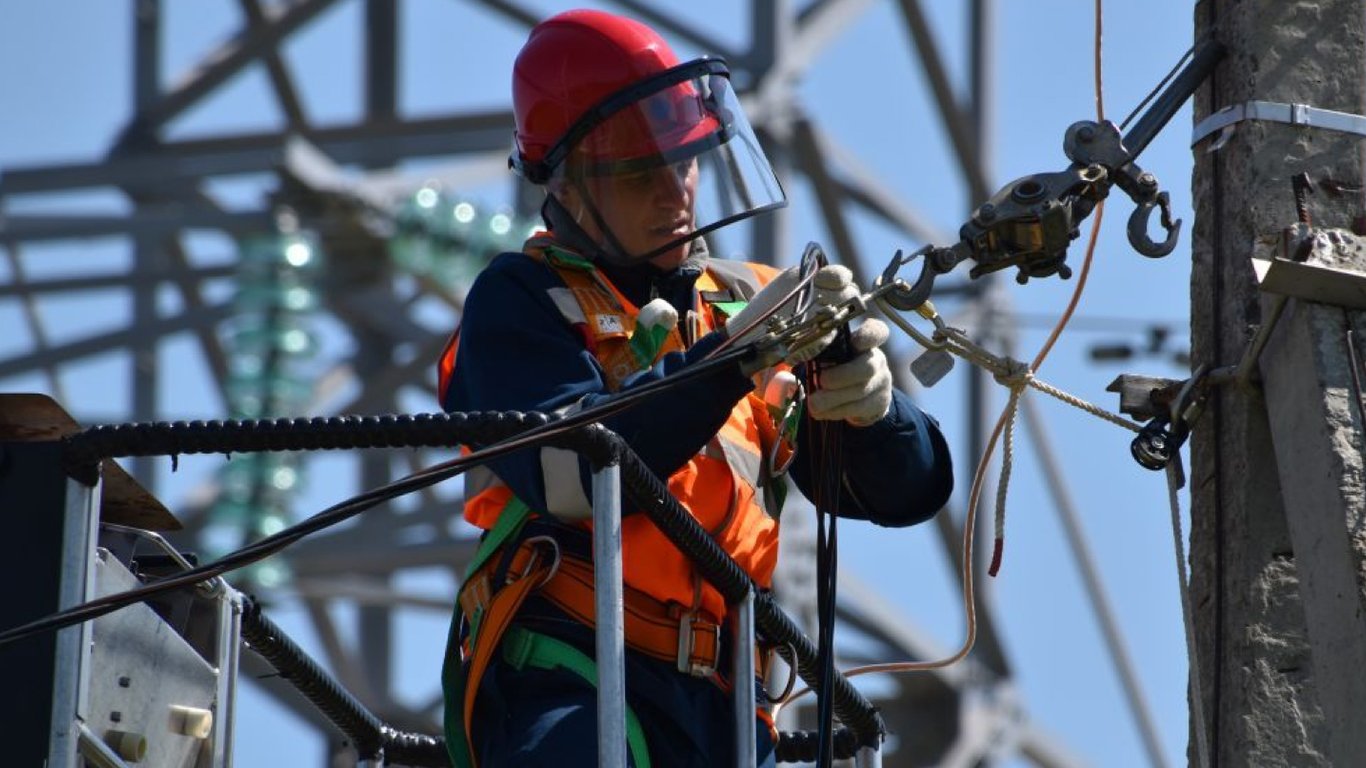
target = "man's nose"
x: 670, y: 184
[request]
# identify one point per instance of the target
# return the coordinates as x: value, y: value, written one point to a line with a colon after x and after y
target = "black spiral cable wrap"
x: 83, y: 450
x: 163, y: 438
x: 371, y: 737
x: 803, y: 746
x: 649, y: 493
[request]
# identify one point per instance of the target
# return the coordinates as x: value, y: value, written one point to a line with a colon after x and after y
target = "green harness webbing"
x: 521, y: 648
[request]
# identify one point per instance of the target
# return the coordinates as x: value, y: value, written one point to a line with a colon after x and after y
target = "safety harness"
x: 513, y: 562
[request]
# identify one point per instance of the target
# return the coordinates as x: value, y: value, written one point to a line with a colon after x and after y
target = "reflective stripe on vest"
x: 722, y: 485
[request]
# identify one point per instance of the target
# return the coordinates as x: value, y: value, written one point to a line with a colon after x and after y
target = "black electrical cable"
x: 541, y: 428
x: 827, y: 472
x: 827, y: 578
x: 1206, y: 35
x: 296, y: 434
x: 371, y: 737
x: 416, y: 481
x: 824, y: 717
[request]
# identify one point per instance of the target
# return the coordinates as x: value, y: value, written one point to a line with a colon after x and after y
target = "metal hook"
x: 1138, y: 227
x: 909, y: 299
x: 813, y: 258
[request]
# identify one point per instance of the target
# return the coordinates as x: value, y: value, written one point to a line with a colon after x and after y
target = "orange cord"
x: 970, y: 520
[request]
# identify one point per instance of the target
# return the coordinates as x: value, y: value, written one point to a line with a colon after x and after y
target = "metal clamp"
x: 1161, y: 438
x: 1275, y: 112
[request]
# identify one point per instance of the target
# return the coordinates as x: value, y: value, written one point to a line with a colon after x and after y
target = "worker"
x: 617, y: 292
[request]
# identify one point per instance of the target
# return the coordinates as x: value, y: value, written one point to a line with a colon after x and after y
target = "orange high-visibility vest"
x: 723, y: 486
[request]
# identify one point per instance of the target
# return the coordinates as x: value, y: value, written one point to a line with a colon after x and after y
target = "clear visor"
x: 670, y: 166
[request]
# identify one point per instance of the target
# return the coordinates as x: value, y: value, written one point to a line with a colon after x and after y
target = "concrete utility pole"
x: 1279, y: 533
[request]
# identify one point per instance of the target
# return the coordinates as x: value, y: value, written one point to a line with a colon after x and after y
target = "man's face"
x: 643, y: 209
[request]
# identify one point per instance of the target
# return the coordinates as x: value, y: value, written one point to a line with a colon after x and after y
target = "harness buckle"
x: 688, y: 626
x: 534, y: 559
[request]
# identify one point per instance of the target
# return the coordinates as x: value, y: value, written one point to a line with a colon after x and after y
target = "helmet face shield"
x: 666, y: 161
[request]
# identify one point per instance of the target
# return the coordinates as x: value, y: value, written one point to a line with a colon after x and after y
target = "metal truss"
x: 335, y: 177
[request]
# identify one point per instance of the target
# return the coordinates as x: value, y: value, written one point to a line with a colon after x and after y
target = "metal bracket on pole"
x: 1313, y: 279
x: 610, y: 631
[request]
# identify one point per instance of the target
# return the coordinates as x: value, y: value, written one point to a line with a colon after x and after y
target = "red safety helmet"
x: 571, y: 65
x: 607, y: 94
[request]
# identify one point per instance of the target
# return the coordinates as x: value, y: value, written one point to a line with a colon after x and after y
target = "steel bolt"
x: 987, y: 212
x: 1301, y: 185
x: 1147, y: 179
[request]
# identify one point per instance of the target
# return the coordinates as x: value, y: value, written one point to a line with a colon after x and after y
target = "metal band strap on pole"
x: 1275, y: 112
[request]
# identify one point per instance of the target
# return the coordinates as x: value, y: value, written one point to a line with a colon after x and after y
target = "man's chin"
x: 671, y: 259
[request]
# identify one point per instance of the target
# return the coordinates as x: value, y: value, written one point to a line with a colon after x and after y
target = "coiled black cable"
x: 601, y: 446
x: 371, y: 737
x: 804, y: 746
x: 652, y: 496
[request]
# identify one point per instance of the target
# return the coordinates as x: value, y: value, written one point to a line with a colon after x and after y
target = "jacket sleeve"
x: 517, y: 353
x: 896, y: 472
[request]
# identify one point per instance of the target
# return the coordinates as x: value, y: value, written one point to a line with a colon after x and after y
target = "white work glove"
x: 832, y: 283
x: 860, y: 390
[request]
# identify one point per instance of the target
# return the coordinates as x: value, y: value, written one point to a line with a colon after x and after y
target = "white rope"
x: 1006, y: 370
x: 1187, y: 616
x: 1013, y: 374
x: 1077, y: 402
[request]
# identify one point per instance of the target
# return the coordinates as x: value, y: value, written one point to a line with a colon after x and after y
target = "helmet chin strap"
x: 567, y: 226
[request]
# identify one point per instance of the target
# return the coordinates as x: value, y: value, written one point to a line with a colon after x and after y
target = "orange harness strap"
x: 690, y: 639
x: 493, y: 622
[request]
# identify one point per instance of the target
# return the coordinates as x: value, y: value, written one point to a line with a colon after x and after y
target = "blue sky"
x: 65, y: 91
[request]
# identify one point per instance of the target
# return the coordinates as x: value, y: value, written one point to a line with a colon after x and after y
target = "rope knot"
x: 1013, y: 374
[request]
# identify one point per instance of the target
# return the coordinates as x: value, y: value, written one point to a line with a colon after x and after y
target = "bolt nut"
x: 129, y: 746
x: 125, y: 681
x: 195, y: 722
x: 1147, y: 179
x: 986, y: 213
x: 1085, y: 134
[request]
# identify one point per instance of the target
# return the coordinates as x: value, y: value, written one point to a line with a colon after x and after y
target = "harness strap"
x: 689, y: 639
x: 523, y: 648
x: 513, y: 516
x: 496, y: 617
x: 462, y: 685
